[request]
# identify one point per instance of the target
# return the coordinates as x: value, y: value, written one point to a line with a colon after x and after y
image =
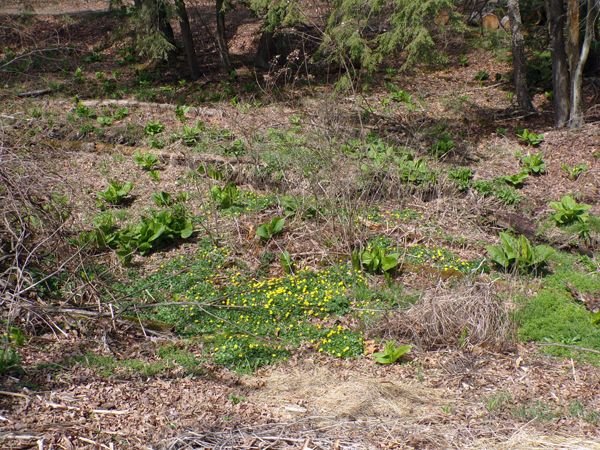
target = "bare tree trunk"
x: 188, y: 39
x: 518, y: 54
x: 221, y: 41
x: 265, y: 51
x: 573, y: 34
x: 576, y: 112
x: 560, y: 65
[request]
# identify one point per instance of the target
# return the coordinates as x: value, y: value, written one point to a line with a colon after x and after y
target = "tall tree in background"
x: 188, y: 39
x: 518, y: 57
x: 560, y: 66
x: 579, y: 58
x: 569, y: 56
x: 221, y: 41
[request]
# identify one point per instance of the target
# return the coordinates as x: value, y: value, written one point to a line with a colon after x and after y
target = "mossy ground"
x: 554, y: 315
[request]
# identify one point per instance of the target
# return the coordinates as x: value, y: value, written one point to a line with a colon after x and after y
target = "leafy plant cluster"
x: 574, y: 172
x: 391, y: 353
x: 231, y: 199
x: 153, y: 231
x: 116, y: 192
x: 533, y: 163
x: 268, y: 230
x: 518, y: 254
x: 530, y: 138
x: 302, y: 207
x: 382, y: 159
x: 376, y: 257
x: 191, y: 135
x: 443, y: 145
x: 498, y: 189
x: 569, y: 213
x: 399, y: 96
x: 163, y: 198
x: 462, y: 177
x: 502, y: 188
x: 148, y: 162
x: 9, y: 356
x: 107, y: 120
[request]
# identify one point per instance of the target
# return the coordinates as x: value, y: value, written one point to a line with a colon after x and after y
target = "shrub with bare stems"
x: 34, y: 245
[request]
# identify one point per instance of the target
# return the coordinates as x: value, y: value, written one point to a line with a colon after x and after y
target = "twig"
x: 89, y: 441
x: 14, y: 394
x: 115, y: 412
x: 22, y: 436
x: 33, y: 52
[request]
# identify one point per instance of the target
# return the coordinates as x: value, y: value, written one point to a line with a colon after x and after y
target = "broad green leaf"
x: 263, y: 233
x: 277, y: 224
x: 158, y: 231
x: 188, y: 230
x: 389, y: 262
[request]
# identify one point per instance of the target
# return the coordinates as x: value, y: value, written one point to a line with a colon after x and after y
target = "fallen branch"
x: 199, y: 111
x: 165, y: 157
x: 36, y: 93
x: 115, y: 412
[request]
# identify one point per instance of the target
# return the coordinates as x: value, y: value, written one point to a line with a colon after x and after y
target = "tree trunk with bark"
x: 221, y: 41
x: 188, y: 39
x: 560, y: 65
x: 576, y: 111
x: 519, y: 59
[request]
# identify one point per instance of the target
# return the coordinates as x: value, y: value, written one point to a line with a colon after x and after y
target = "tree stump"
x: 442, y: 18
x: 490, y: 22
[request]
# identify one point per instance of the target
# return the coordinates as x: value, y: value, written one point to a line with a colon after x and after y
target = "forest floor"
x: 225, y: 339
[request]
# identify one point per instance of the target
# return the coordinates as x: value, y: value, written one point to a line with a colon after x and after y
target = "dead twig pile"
x: 270, y: 436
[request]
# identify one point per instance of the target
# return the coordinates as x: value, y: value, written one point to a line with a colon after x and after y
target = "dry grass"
x: 468, y: 315
x: 525, y: 439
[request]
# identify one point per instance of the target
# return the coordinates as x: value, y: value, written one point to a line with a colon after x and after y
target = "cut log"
x: 490, y: 22
x: 505, y: 23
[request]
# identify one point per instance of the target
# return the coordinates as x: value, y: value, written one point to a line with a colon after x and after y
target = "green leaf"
x: 263, y: 233
x: 509, y: 245
x: 389, y: 262
x: 366, y: 258
x: 498, y: 256
x: 188, y: 230
x: 277, y: 225
x: 158, y: 231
